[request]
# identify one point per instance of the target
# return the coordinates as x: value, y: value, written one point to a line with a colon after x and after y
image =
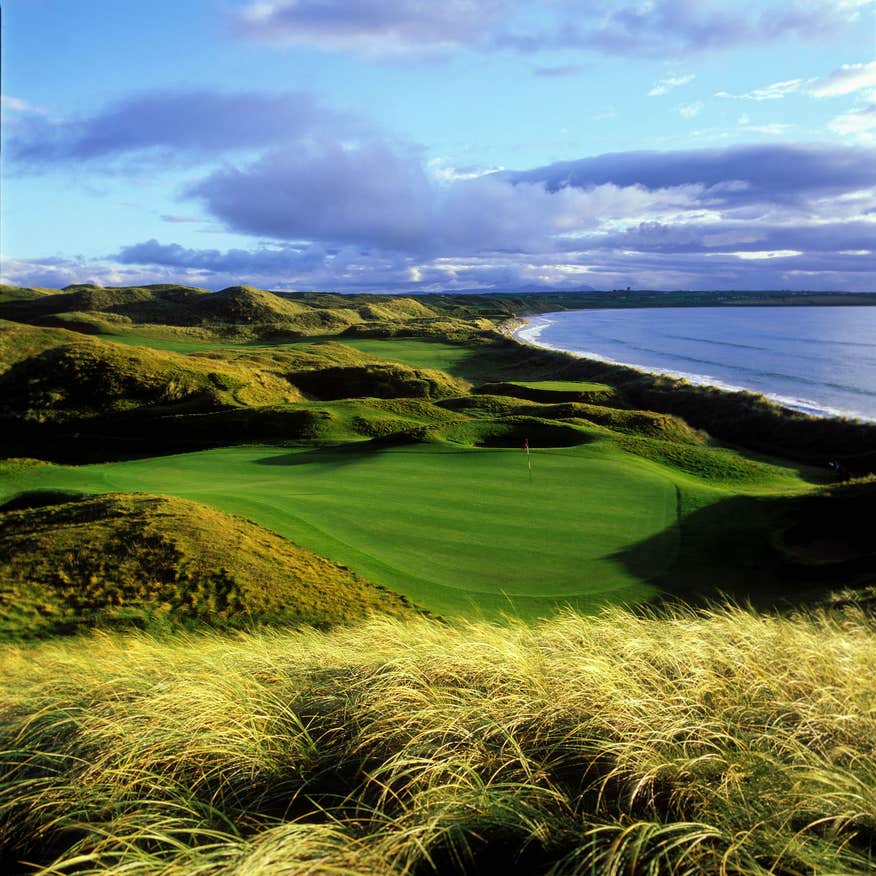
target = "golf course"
x: 314, y: 583
x: 518, y: 499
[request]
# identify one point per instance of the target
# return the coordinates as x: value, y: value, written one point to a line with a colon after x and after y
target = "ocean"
x: 820, y: 360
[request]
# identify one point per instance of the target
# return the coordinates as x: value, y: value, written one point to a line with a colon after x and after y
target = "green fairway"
x: 563, y: 385
x: 458, y: 530
x: 460, y: 361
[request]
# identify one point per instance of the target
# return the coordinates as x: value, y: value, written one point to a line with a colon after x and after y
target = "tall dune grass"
x: 721, y: 742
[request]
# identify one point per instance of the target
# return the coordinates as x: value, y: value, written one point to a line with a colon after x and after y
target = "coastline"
x: 526, y: 330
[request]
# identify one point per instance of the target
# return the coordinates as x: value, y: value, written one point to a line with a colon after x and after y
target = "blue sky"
x: 403, y: 145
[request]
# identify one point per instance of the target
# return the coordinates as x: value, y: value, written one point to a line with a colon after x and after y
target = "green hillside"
x: 87, y: 377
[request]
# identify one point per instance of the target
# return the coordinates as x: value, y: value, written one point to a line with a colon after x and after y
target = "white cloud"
x: 767, y: 254
x: 860, y: 122
x: 665, y: 85
x: 19, y: 105
x: 689, y: 110
x: 55, y: 273
x: 849, y: 78
x: 776, y: 91
x: 442, y: 170
x: 772, y: 128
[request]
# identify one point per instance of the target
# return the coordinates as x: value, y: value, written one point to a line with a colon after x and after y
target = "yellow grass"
x: 721, y: 742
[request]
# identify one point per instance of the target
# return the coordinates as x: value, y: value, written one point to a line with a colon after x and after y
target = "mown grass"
x: 724, y: 742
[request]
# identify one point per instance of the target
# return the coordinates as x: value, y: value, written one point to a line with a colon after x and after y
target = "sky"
x: 424, y: 146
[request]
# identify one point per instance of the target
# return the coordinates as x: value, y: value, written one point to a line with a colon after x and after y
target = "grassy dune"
x: 725, y: 742
x: 69, y: 563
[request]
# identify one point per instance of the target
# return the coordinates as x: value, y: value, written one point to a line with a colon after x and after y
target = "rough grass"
x: 19, y: 342
x: 724, y: 742
x: 54, y: 375
x: 69, y: 563
x: 86, y: 378
x: 240, y: 311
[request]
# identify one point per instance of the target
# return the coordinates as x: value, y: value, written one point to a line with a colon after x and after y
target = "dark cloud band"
x: 661, y: 28
x: 180, y: 125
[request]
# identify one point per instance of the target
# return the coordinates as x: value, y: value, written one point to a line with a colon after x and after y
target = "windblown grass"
x: 722, y: 742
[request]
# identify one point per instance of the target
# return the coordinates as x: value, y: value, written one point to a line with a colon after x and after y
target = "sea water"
x: 820, y: 360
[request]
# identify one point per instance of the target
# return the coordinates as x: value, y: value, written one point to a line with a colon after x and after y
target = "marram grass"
x: 685, y: 743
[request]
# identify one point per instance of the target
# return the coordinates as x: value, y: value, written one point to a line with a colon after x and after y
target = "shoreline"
x: 516, y: 328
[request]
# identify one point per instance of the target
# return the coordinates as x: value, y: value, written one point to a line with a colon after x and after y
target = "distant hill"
x: 241, y: 312
x: 69, y: 562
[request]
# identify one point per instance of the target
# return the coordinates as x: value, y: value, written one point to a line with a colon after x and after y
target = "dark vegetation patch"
x: 39, y: 499
x: 831, y: 533
x: 139, y: 433
x: 537, y: 391
x: 70, y: 563
x: 514, y: 431
x: 774, y: 552
x: 375, y: 380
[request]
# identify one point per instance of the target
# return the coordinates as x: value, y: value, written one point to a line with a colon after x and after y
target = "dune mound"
x: 119, y: 560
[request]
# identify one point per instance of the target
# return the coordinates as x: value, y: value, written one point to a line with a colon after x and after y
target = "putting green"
x: 459, y: 530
